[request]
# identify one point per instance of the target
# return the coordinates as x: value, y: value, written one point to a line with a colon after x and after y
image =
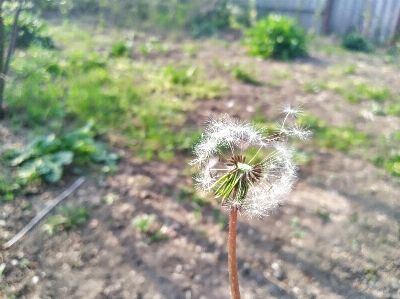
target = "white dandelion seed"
x: 244, y: 168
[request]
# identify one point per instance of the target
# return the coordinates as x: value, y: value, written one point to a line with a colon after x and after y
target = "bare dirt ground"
x: 294, y: 253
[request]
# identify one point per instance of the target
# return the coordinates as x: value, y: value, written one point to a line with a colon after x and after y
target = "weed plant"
x: 353, y: 92
x: 246, y: 170
x: 68, y: 217
x: 148, y: 225
x: 386, y: 152
x: 119, y: 49
x: 276, y: 37
x: 244, y: 76
x: 45, y: 157
x: 356, y: 42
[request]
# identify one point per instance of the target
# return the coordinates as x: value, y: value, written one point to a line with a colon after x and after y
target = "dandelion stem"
x: 232, y: 264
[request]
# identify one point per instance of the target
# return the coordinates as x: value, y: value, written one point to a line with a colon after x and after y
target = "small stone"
x: 14, y: 262
x: 278, y: 274
x: 93, y: 223
x: 178, y: 268
x: 35, y: 279
x: 275, y: 266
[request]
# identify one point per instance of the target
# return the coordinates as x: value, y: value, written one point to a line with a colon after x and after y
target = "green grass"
x: 244, y: 76
x: 323, y: 214
x: 138, y: 104
x: 148, y: 225
x: 385, y: 153
x: 353, y: 92
x: 68, y: 217
x: 388, y: 153
x: 190, y: 194
x: 340, y: 138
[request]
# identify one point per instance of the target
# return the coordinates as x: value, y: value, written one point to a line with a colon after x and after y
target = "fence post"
x: 396, y: 33
x: 326, y: 26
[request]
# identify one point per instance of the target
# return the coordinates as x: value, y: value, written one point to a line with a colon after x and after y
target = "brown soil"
x: 353, y: 254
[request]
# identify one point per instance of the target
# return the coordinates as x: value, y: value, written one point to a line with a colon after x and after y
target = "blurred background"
x: 118, y: 92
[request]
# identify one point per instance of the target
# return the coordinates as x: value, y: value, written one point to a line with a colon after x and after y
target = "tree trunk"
x: 2, y: 45
x: 5, y: 61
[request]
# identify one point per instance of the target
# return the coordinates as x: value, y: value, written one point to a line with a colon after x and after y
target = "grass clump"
x: 119, y: 49
x: 340, y: 138
x: 244, y: 76
x: 356, y: 42
x: 388, y: 154
x: 364, y: 91
x: 150, y: 226
x: 276, y: 37
x: 353, y: 92
x: 69, y: 217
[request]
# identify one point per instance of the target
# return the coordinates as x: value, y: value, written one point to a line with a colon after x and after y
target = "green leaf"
x: 37, y: 147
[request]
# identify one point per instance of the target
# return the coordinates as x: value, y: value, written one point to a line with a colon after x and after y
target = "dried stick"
x: 47, y: 209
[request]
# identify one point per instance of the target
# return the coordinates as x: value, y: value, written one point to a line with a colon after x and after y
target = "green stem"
x: 232, y: 264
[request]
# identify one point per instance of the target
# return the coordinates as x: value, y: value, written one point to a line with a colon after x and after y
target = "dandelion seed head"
x: 289, y: 109
x: 255, y: 184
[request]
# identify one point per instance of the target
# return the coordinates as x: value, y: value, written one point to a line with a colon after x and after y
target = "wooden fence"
x: 375, y: 19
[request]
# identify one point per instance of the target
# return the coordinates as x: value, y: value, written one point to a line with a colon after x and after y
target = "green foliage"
x: 182, y: 76
x: 346, y: 139
x: 31, y: 29
x: 371, y: 273
x: 296, y: 230
x: 276, y: 37
x: 119, y: 49
x: 144, y: 222
x: 393, y: 108
x: 152, y: 45
x: 149, y: 226
x: 243, y: 76
x: 76, y: 86
x: 353, y: 92
x: 191, y: 195
x: 388, y: 153
x: 364, y: 91
x: 46, y: 156
x: 356, y: 42
x: 69, y: 217
x: 323, y: 213
x: 340, y: 138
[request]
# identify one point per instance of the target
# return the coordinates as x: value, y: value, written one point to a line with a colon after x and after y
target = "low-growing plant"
x: 179, y: 76
x: 323, y: 213
x: 46, y: 156
x: 119, y: 49
x: 356, y: 42
x: 152, y: 45
x: 149, y: 225
x: 364, y: 91
x: 244, y: 76
x: 340, y: 138
x: 388, y: 154
x: 297, y: 231
x: 276, y: 37
x: 68, y: 217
